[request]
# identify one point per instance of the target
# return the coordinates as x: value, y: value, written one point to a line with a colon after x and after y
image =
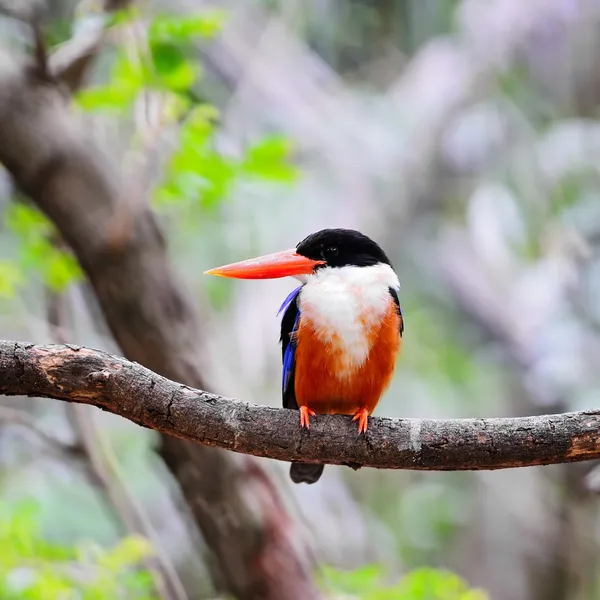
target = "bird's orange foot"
x: 362, y: 416
x: 305, y: 414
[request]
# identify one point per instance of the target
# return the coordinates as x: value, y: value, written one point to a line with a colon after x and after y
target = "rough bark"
x: 82, y: 375
x: 117, y: 241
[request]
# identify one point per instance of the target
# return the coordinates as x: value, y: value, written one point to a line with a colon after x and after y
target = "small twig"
x: 13, y: 416
x: 40, y: 53
x: 71, y: 61
x: 114, y: 5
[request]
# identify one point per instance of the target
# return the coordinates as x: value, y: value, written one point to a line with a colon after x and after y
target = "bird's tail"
x: 305, y: 472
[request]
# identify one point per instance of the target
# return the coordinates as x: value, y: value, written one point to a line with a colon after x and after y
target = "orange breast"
x: 319, y: 363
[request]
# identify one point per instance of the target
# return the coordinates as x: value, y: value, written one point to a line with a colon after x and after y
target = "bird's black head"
x: 342, y: 247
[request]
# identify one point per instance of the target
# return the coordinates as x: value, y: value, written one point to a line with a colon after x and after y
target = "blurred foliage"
x: 9, y: 279
x: 32, y: 568
x: 37, y: 251
x: 170, y: 29
x: 197, y: 171
x: 197, y: 174
x: 368, y: 583
x: 165, y: 65
x: 364, y: 30
x: 57, y: 32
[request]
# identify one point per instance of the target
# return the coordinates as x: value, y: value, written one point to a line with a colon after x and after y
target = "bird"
x: 341, y: 329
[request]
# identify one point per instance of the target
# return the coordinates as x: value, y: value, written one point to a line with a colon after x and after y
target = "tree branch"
x: 114, y: 384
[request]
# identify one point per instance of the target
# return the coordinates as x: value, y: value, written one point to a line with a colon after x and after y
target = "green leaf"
x: 433, y: 584
x: 129, y: 73
x: 421, y: 584
x: 127, y: 79
x: 172, y: 68
x: 181, y: 78
x: 196, y: 171
x: 124, y: 16
x: 61, y: 270
x: 175, y: 106
x: 127, y: 553
x: 269, y: 158
x: 358, y: 581
x: 270, y: 148
x: 220, y: 177
x: 200, y: 123
x: 37, y: 253
x: 24, y: 220
x: 166, y: 194
x: 184, y: 28
x: 10, y: 278
x: 107, y: 97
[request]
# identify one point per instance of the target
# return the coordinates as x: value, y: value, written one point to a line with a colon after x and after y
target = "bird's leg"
x: 362, y: 416
x: 305, y: 414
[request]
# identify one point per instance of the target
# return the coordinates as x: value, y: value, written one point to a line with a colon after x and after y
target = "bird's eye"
x: 329, y: 252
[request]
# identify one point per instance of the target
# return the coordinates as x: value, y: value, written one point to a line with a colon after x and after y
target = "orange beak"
x: 281, y: 264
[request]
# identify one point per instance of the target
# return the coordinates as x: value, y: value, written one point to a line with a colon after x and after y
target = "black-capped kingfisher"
x: 341, y: 329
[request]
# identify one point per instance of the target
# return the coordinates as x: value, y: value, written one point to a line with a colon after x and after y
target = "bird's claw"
x: 305, y: 414
x: 362, y: 416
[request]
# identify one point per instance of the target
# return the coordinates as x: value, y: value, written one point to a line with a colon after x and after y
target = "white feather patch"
x: 344, y: 304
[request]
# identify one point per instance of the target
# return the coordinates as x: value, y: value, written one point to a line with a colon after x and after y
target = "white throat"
x: 345, y: 303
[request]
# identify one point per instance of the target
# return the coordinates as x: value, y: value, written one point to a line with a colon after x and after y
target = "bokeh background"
x: 463, y: 137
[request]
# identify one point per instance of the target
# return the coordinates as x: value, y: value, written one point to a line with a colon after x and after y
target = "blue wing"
x: 289, y: 324
x: 394, y: 295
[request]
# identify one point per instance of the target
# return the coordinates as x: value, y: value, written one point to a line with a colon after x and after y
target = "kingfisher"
x: 341, y: 329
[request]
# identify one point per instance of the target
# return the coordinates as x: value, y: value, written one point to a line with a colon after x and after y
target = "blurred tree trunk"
x: 116, y: 238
